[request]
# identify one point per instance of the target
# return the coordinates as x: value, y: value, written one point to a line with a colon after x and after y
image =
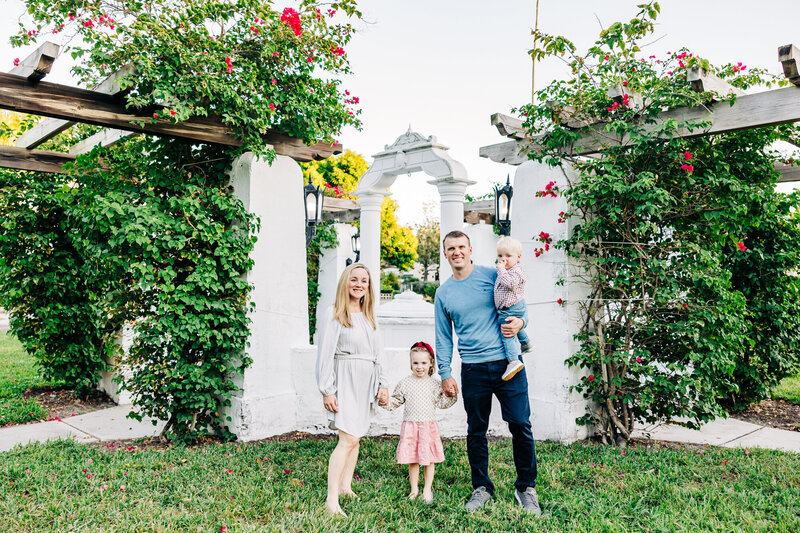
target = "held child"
x: 420, y: 442
x: 509, y: 291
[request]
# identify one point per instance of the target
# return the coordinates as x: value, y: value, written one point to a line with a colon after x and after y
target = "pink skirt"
x: 420, y: 443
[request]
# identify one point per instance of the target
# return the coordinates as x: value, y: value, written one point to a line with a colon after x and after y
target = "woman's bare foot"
x: 334, y: 509
x: 413, y: 495
x: 348, y: 494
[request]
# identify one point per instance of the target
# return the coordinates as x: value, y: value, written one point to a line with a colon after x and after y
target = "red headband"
x: 425, y: 345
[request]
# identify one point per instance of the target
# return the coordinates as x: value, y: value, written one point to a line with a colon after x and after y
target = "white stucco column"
x: 451, y: 193
x: 552, y: 325
x: 266, y: 405
x: 371, y: 237
x: 332, y: 262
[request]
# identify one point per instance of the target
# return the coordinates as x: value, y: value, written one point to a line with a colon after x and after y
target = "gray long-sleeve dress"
x: 350, y: 364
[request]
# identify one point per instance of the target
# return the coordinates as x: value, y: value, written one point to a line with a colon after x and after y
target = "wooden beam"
x: 779, y: 106
x: 104, y: 137
x: 788, y: 56
x: 37, y: 65
x: 788, y: 173
x: 38, y: 160
x: 92, y: 107
x: 47, y: 128
x: 701, y: 81
x: 508, y: 126
x: 617, y: 94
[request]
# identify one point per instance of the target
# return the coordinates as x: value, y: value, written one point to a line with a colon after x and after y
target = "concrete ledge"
x: 774, y: 439
x: 113, y: 424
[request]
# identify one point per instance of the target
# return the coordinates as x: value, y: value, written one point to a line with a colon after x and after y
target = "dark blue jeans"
x: 479, y: 381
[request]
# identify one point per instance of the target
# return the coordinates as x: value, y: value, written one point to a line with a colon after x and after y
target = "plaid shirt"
x: 509, y: 288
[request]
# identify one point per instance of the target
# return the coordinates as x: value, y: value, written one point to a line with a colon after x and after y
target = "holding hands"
x: 383, y: 396
x: 450, y: 387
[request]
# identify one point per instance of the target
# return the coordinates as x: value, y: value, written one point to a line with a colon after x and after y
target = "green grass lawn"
x: 17, y: 373
x: 788, y: 389
x: 280, y: 486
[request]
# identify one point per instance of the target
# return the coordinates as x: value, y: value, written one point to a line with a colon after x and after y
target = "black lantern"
x: 313, y: 200
x: 502, y: 206
x: 355, y: 243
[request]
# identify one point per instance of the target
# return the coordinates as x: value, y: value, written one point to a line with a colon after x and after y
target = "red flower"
x: 590, y: 378
x: 16, y: 62
x: 559, y: 301
x: 274, y: 54
x: 274, y: 81
x: 638, y: 359
x: 687, y: 156
x: 272, y: 107
x: 155, y: 115
x: 287, y: 471
x: 741, y: 246
x: 337, y: 50
x: 687, y: 167
x: 292, y: 19
x: 88, y: 23
x: 172, y: 112
x: 684, y: 306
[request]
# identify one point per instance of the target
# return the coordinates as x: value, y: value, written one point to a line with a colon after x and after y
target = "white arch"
x: 411, y: 152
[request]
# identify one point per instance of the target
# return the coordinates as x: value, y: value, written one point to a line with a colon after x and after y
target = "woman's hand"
x: 331, y: 403
x: 383, y: 396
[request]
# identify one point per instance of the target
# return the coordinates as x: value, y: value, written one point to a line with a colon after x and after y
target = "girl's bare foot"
x: 413, y: 495
x: 427, y: 496
x: 334, y: 509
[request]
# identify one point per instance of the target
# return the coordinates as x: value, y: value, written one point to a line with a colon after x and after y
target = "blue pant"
x: 479, y: 381
x: 512, y: 344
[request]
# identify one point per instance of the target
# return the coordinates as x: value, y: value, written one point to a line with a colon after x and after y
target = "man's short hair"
x: 455, y: 234
x: 510, y: 245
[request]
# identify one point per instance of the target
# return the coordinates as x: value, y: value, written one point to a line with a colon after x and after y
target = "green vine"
x: 147, y: 232
x: 674, y: 236
x: 325, y: 239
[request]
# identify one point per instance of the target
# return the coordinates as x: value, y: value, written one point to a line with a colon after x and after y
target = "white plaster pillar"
x: 266, y: 405
x: 552, y: 325
x: 451, y: 194
x: 371, y: 238
x: 332, y: 262
x: 484, y: 243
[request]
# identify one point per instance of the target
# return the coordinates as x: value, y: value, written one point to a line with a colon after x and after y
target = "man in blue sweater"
x: 465, y: 302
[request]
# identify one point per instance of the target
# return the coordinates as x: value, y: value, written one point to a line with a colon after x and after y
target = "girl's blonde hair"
x: 424, y: 347
x: 512, y: 245
x: 341, y: 307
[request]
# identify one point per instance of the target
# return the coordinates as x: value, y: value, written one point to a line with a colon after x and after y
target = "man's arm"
x: 444, y: 338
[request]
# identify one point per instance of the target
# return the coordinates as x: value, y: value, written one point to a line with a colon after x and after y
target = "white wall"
x: 332, y: 263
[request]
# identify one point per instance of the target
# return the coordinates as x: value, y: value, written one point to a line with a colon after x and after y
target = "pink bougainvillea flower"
x: 687, y: 156
x: 292, y: 19
x: 725, y: 462
x: 88, y: 23
x: 747, y: 452
x: 337, y: 50
x: 275, y: 54
x: 310, y: 58
x: 274, y: 81
x: 89, y: 475
x: 590, y: 378
x: 16, y: 62
x: 591, y: 464
x: 172, y: 112
x: 741, y: 246
x: 559, y: 301
x: 638, y: 359
x: 223, y: 528
x: 687, y: 167
x: 287, y: 471
x: 229, y: 471
x: 357, y: 477
x: 271, y: 108
x: 155, y: 115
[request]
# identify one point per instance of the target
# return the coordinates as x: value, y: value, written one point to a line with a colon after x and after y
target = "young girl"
x: 420, y: 443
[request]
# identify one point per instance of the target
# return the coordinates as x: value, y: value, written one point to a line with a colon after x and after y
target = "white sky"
x: 444, y: 66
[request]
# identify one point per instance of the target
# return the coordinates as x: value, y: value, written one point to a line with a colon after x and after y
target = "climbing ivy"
x: 147, y: 232
x: 690, y: 256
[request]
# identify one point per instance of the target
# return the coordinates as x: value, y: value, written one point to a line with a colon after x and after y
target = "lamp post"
x: 355, y: 244
x: 314, y: 198
x: 502, y: 206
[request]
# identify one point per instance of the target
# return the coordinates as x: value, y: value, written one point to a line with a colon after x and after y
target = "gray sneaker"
x: 526, y: 348
x: 529, y: 501
x: 479, y: 498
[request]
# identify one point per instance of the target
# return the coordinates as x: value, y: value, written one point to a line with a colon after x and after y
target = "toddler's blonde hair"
x: 509, y: 244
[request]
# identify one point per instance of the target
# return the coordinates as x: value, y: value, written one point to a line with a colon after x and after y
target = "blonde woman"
x: 350, y: 375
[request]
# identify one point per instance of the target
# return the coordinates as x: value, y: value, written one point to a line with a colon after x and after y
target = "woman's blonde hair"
x: 341, y: 307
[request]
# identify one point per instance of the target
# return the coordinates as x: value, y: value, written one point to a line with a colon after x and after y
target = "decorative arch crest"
x: 411, y: 152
